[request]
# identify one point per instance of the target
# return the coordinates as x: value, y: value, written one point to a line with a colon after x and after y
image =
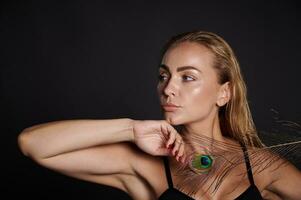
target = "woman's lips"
x: 170, y: 108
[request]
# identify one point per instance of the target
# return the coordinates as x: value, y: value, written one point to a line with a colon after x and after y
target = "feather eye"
x: 201, y: 163
x: 208, y: 163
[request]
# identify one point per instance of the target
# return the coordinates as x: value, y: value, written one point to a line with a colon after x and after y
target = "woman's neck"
x: 209, y: 128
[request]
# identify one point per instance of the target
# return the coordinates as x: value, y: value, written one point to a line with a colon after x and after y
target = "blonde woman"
x: 201, y: 89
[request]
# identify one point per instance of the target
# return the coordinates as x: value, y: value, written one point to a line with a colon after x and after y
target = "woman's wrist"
x: 130, y: 133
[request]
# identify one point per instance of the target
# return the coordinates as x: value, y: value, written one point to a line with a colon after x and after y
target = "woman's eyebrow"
x: 183, y: 68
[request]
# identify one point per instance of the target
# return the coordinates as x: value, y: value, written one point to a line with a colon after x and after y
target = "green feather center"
x: 202, y: 162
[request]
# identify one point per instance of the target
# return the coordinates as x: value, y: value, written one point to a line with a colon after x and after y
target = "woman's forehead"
x: 187, y: 54
x: 181, y: 68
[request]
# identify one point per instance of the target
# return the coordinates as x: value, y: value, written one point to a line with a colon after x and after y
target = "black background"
x: 97, y: 60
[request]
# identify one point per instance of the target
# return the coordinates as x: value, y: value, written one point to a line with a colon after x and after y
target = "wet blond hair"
x: 235, y: 117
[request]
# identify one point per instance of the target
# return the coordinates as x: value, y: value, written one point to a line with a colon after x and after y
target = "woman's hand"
x: 158, y: 137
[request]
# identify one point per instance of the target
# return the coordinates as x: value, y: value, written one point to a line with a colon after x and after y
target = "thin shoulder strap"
x: 167, y: 172
x: 248, y: 165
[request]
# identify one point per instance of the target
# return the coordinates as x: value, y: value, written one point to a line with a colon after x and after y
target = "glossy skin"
x: 196, y: 91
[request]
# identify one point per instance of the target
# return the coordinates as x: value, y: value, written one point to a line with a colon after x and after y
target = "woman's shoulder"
x: 268, y: 165
x: 275, y: 172
x: 149, y: 178
x: 143, y: 164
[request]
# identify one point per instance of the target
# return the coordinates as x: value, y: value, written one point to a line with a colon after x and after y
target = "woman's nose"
x: 170, y: 89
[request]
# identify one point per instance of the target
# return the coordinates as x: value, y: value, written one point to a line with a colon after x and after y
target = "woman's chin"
x: 173, y: 120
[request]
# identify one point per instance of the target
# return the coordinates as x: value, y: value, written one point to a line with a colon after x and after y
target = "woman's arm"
x: 92, y: 150
x: 99, y: 151
x: 50, y: 139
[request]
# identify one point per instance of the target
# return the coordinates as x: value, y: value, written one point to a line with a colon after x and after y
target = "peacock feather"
x: 209, y: 162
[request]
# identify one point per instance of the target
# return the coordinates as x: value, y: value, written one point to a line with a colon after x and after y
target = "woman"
x: 201, y: 89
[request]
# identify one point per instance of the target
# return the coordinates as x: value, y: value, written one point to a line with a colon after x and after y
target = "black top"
x: 171, y: 193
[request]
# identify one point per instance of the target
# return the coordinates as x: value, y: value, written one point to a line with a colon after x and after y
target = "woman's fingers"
x: 181, y: 151
x: 174, y: 141
x: 177, y: 144
x: 172, y: 136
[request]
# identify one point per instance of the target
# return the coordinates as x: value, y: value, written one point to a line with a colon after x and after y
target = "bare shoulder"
x: 149, y: 180
x: 145, y: 178
x: 272, y: 172
x: 263, y: 163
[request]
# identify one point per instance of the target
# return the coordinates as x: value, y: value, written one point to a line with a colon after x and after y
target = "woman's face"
x: 188, y: 80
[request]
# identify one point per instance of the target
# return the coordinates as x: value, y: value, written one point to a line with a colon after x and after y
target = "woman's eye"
x: 188, y: 78
x: 162, y: 77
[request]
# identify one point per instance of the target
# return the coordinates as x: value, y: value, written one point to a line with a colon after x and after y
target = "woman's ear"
x: 224, y: 94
